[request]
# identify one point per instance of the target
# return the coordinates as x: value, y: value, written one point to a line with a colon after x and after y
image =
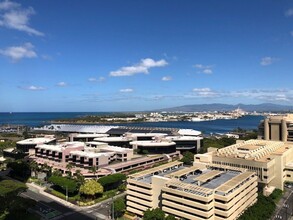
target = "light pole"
x: 113, y: 217
x: 66, y: 193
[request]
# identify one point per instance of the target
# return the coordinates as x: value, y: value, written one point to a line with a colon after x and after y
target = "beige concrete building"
x: 277, y: 128
x: 272, y: 161
x: 198, y: 192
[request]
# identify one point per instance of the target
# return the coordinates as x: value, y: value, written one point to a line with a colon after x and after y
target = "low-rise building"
x: 187, y: 143
x: 29, y: 144
x: 158, y: 146
x: 197, y: 192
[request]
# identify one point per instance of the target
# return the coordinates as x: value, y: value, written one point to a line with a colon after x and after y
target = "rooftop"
x: 112, y: 139
x: 90, y: 135
x: 183, y: 138
x: 42, y: 140
x: 153, y: 143
x: 199, y: 179
x: 259, y: 150
x: 88, y: 154
x: 189, y: 132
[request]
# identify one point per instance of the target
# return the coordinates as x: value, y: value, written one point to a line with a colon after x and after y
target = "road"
x: 45, y: 203
x: 100, y: 211
x: 286, y: 208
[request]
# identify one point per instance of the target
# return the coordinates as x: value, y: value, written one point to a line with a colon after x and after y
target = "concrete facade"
x: 272, y: 161
x: 198, y: 192
x: 277, y: 128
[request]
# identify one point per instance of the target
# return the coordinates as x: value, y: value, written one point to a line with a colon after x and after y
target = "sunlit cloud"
x: 93, y: 79
x: 142, y: 67
x: 13, y: 16
x: 166, y: 78
x: 204, y: 69
x: 16, y: 53
x: 128, y: 90
x: 62, y: 84
x: 32, y: 88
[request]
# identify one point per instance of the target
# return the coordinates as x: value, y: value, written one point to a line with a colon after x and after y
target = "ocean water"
x: 217, y: 126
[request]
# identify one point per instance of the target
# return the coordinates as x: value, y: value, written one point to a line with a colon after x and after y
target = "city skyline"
x: 143, y: 55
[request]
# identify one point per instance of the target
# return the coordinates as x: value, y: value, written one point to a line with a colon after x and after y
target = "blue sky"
x: 142, y: 55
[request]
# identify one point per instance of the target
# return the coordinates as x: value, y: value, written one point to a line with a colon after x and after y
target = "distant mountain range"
x: 264, y: 107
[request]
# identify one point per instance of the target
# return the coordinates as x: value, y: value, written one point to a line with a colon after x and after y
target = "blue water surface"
x: 34, y: 119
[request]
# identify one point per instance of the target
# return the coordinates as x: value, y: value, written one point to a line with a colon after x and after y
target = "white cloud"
x: 62, y: 84
x: 142, y: 67
x: 205, y: 92
x: 166, y: 78
x: 19, y: 52
x: 204, y: 69
x: 93, y: 79
x: 33, y: 88
x: 8, y: 5
x: 126, y: 90
x: 289, y: 12
x: 265, y: 61
x: 13, y: 16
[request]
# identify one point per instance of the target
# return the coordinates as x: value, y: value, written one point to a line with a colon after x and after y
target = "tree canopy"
x: 154, y: 214
x: 10, y: 187
x: 119, y: 207
x: 63, y: 183
x: 91, y: 188
x: 112, y: 181
x: 188, y: 158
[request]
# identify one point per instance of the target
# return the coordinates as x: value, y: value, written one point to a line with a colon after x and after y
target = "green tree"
x: 154, y: 214
x: 69, y: 167
x: 188, y: 158
x: 63, y: 183
x: 119, y: 207
x: 19, y: 168
x: 34, y: 167
x: 79, y: 177
x: 9, y: 189
x: 112, y: 181
x: 56, y: 173
x: 93, y: 169
x: 170, y: 217
x: 91, y: 188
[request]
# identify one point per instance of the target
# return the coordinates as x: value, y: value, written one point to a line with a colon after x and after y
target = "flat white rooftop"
x: 153, y: 143
x: 90, y: 135
x: 96, y: 143
x: 146, y: 134
x: 189, y: 132
x: 89, y: 154
x: 112, y: 139
x: 183, y: 138
x: 42, y: 140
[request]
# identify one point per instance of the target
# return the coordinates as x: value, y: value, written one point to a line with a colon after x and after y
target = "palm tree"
x: 69, y: 166
x: 34, y: 167
x: 79, y: 177
x: 93, y: 169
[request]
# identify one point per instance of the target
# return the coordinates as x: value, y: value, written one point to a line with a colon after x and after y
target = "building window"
x: 265, y: 169
x: 288, y: 175
x: 265, y: 177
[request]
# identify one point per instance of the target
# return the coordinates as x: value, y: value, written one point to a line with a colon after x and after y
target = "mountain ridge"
x: 263, y: 107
